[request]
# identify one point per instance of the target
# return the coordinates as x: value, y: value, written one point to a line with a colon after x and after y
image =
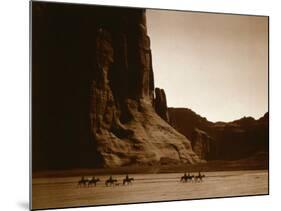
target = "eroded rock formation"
x: 125, y: 126
x: 201, y: 143
x: 222, y: 140
x: 160, y: 104
x: 93, y: 91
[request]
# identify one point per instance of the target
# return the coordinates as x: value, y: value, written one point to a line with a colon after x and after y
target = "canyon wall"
x: 238, y: 139
x: 160, y: 104
x: 93, y: 101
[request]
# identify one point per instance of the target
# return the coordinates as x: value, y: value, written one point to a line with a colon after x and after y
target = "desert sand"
x: 64, y: 191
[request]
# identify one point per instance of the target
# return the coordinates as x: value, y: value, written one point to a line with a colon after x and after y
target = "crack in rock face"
x: 126, y: 126
x: 94, y: 100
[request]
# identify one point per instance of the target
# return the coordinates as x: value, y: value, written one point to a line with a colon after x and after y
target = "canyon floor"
x: 58, y: 192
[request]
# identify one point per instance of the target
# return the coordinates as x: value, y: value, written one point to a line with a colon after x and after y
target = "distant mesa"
x: 238, y: 139
x: 94, y: 103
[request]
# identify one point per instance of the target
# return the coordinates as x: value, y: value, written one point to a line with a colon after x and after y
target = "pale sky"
x: 214, y: 64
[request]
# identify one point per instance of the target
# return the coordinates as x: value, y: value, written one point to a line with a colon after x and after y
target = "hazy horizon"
x: 214, y: 64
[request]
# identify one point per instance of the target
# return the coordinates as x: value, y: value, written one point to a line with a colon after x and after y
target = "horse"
x: 183, y: 178
x: 189, y: 177
x: 83, y: 182
x: 93, y: 181
x: 186, y: 178
x: 110, y: 181
x: 199, y: 177
x: 128, y: 180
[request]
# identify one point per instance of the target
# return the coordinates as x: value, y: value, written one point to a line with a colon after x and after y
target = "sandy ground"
x: 64, y: 192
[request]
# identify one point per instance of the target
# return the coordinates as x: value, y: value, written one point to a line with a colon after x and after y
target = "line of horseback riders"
x: 109, y: 182
x: 192, y: 178
x: 128, y: 180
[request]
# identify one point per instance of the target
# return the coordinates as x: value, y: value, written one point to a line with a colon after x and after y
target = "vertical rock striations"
x: 125, y: 126
x: 201, y: 143
x: 238, y: 139
x: 160, y: 104
x: 93, y: 91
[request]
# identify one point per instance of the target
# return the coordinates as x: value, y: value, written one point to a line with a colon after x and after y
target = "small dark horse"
x: 93, y: 181
x: 110, y: 181
x: 186, y: 178
x: 189, y: 177
x: 83, y: 182
x: 199, y: 177
x: 183, y: 178
x: 128, y: 180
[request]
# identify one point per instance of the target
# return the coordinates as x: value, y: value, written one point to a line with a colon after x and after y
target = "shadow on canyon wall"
x: 94, y: 103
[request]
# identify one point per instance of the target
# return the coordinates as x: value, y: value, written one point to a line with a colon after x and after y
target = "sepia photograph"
x: 136, y: 105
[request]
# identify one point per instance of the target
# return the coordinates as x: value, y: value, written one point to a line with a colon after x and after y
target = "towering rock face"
x: 160, y: 104
x: 201, y: 143
x: 126, y: 129
x: 222, y: 140
x: 93, y: 91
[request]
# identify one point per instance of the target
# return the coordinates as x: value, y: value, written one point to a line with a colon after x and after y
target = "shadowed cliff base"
x: 94, y: 104
x: 93, y: 101
x: 258, y: 161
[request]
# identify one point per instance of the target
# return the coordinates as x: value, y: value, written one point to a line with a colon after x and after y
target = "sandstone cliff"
x: 160, y: 104
x: 93, y: 91
x: 202, y: 143
x: 222, y: 140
